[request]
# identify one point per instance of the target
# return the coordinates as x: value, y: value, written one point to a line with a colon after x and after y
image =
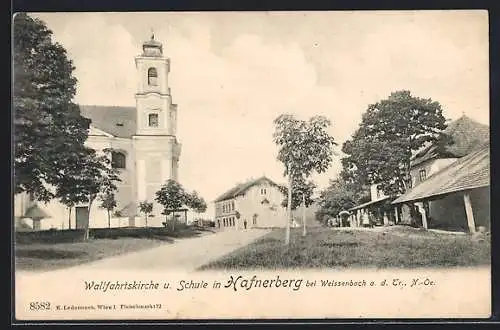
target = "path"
x: 184, y: 254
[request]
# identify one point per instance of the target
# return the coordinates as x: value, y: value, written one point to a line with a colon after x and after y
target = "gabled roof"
x: 357, y: 207
x: 469, y: 172
x: 35, y: 212
x: 465, y: 134
x: 116, y: 120
x: 241, y: 188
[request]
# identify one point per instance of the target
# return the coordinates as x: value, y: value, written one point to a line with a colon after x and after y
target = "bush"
x: 50, y: 236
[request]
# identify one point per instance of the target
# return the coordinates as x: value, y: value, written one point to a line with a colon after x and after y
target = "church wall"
x: 125, y: 192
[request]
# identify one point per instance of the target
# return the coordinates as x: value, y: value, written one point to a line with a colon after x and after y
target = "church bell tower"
x: 156, y: 147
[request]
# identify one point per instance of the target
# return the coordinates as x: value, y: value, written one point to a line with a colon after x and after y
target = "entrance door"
x: 82, y: 217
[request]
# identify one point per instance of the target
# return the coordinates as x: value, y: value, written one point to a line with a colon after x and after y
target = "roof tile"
x: 116, y: 120
x: 469, y: 172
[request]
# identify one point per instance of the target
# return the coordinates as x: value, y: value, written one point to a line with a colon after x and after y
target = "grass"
x: 391, y: 247
x: 42, y: 256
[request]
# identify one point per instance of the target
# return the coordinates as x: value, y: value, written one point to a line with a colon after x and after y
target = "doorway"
x: 82, y: 217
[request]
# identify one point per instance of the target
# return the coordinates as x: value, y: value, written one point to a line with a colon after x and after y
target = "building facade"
x: 447, y: 212
x: 455, y: 198
x: 145, y: 149
x: 256, y: 202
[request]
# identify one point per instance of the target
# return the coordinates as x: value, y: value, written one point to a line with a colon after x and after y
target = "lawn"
x: 44, y: 257
x: 391, y: 247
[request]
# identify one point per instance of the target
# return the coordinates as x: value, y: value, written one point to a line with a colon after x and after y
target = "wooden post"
x: 396, y: 214
x: 421, y: 209
x: 470, y: 215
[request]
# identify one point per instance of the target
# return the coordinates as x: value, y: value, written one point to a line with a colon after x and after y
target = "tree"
x: 304, y: 147
x: 340, y: 196
x: 171, y: 196
x: 68, y: 190
x: 146, y: 208
x: 302, y: 193
x: 92, y: 176
x: 108, y: 202
x: 48, y: 127
x: 391, y: 130
x: 196, y: 202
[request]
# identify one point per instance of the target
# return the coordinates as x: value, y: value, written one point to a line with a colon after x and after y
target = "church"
x: 145, y: 152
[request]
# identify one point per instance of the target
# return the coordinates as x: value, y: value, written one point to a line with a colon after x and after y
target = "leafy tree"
x: 196, y: 203
x: 86, y: 176
x: 93, y: 176
x: 68, y: 190
x: 340, y: 196
x: 304, y: 147
x: 302, y: 193
x: 146, y: 208
x: 171, y: 196
x: 48, y: 127
x: 390, y: 132
x: 108, y: 202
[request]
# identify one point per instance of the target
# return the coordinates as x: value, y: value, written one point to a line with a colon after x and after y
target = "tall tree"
x: 391, y: 130
x: 146, y: 208
x: 302, y: 193
x: 108, y: 202
x: 172, y: 197
x: 48, y: 127
x: 304, y: 147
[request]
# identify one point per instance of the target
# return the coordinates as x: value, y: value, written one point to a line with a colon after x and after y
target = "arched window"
x: 118, y: 159
x: 153, y: 120
x: 152, y: 77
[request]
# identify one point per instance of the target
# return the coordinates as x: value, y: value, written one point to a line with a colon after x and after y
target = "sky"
x: 233, y: 73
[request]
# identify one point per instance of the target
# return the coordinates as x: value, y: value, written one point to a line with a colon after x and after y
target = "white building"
x: 146, y: 149
x: 258, y: 202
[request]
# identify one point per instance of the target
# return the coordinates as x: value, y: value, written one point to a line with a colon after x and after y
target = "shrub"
x: 50, y: 236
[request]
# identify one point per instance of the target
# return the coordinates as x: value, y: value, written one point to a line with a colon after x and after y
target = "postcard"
x: 251, y: 165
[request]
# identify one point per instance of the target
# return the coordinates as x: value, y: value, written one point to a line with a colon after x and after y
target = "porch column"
x: 386, y: 218
x: 470, y: 215
x: 421, y: 209
x: 396, y: 214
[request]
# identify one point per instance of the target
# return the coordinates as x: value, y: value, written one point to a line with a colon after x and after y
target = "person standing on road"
x: 245, y: 223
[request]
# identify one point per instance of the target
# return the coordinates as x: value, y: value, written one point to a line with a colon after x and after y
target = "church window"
x: 152, y: 77
x: 153, y: 120
x: 118, y: 159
